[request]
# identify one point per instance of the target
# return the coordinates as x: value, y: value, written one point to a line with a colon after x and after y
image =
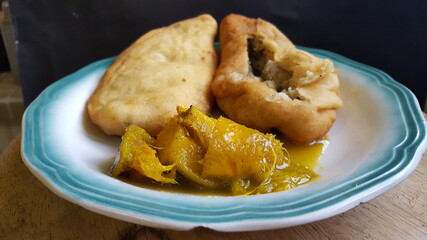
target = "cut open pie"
x: 265, y: 82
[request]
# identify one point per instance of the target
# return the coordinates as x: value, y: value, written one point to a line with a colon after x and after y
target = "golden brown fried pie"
x: 265, y: 82
x: 164, y: 68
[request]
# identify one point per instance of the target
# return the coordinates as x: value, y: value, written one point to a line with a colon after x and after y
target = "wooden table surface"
x: 28, y: 210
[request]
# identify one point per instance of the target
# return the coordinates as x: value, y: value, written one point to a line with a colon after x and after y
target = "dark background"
x: 56, y: 38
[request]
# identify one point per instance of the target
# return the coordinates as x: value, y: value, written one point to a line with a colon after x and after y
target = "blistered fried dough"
x: 164, y: 68
x: 264, y: 82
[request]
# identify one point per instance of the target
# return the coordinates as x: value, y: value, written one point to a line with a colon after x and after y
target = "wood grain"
x: 28, y: 210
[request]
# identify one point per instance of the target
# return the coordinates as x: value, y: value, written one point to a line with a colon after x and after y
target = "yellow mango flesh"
x: 212, y: 154
x: 240, y: 155
x: 136, y: 154
x: 176, y: 146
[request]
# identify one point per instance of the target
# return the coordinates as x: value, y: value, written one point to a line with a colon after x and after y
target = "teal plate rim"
x: 99, y: 193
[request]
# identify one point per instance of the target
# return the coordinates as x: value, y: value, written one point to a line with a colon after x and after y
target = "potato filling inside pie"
x: 268, y: 71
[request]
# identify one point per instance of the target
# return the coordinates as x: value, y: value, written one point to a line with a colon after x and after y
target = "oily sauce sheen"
x: 303, y: 157
x: 198, y: 154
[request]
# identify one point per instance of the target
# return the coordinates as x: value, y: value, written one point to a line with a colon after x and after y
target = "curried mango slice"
x: 136, y: 154
x: 176, y: 146
x: 210, y: 153
x: 232, y: 154
x: 245, y: 157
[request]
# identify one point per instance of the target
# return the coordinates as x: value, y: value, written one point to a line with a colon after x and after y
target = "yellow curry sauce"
x: 201, y: 155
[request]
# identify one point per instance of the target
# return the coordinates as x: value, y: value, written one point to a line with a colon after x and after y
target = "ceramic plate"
x: 376, y: 142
